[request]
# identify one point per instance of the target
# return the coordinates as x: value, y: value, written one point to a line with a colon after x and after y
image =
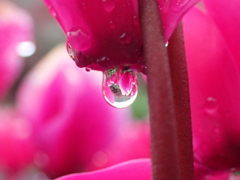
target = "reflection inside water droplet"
x: 120, y: 87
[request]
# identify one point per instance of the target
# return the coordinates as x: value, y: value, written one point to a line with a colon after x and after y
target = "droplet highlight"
x: 179, y: 4
x: 211, y: 105
x: 70, y: 51
x: 125, y: 38
x: 108, y: 5
x: 120, y: 87
x: 164, y: 5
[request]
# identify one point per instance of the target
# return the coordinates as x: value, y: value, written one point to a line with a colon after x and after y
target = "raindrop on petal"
x: 70, y: 51
x: 120, y: 87
x: 211, y: 105
x: 108, y: 5
x: 125, y: 38
x: 179, y: 4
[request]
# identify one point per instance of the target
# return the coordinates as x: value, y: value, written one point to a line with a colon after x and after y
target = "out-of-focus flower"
x: 16, y: 36
x: 212, y: 52
x: 132, y: 142
x: 17, y: 146
x: 71, y: 121
x: 103, y: 34
x: 131, y: 170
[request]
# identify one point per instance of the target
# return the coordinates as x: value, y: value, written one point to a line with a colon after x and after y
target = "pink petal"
x: 172, y: 12
x: 227, y: 17
x: 133, y: 142
x: 132, y: 170
x: 214, y: 90
x: 103, y: 34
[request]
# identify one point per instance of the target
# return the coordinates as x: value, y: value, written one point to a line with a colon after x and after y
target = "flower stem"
x: 168, y: 98
x: 179, y: 75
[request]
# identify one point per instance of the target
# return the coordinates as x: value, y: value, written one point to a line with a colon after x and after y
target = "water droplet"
x: 108, y: 5
x: 211, y: 105
x: 52, y: 12
x: 125, y: 38
x: 164, y: 5
x: 166, y: 44
x: 26, y: 48
x: 70, y: 51
x: 135, y: 20
x: 88, y: 69
x: 120, y: 87
x: 179, y: 4
x: 112, y: 24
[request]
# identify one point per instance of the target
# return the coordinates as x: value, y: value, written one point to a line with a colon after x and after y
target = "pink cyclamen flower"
x: 70, y: 118
x: 212, y: 40
x: 15, y: 29
x: 104, y: 34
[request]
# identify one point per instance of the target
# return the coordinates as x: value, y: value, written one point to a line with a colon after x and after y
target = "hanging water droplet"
x: 125, y: 38
x: 88, y: 69
x: 120, y: 87
x: 211, y: 105
x: 108, y: 5
x: 112, y: 24
x: 70, y: 51
x: 26, y: 48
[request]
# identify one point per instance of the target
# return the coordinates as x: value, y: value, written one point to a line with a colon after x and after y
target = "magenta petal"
x: 214, y: 90
x: 132, y: 170
x: 227, y: 17
x: 102, y: 34
x: 172, y: 12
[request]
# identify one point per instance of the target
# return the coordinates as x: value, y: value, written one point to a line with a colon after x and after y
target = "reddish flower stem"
x: 168, y: 98
x: 179, y: 75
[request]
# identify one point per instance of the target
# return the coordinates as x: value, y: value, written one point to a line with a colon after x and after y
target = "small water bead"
x: 125, y: 38
x: 211, y: 105
x: 112, y: 24
x: 179, y: 4
x: 70, y: 51
x: 108, y: 5
x: 166, y: 44
x: 164, y: 5
x: 120, y: 87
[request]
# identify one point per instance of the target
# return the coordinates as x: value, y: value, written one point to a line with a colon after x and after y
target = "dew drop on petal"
x: 108, y: 5
x: 179, y: 4
x: 25, y: 49
x: 211, y: 105
x: 164, y: 5
x: 166, y: 44
x: 112, y: 24
x: 70, y: 51
x: 88, y: 69
x: 125, y: 38
x: 120, y: 87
